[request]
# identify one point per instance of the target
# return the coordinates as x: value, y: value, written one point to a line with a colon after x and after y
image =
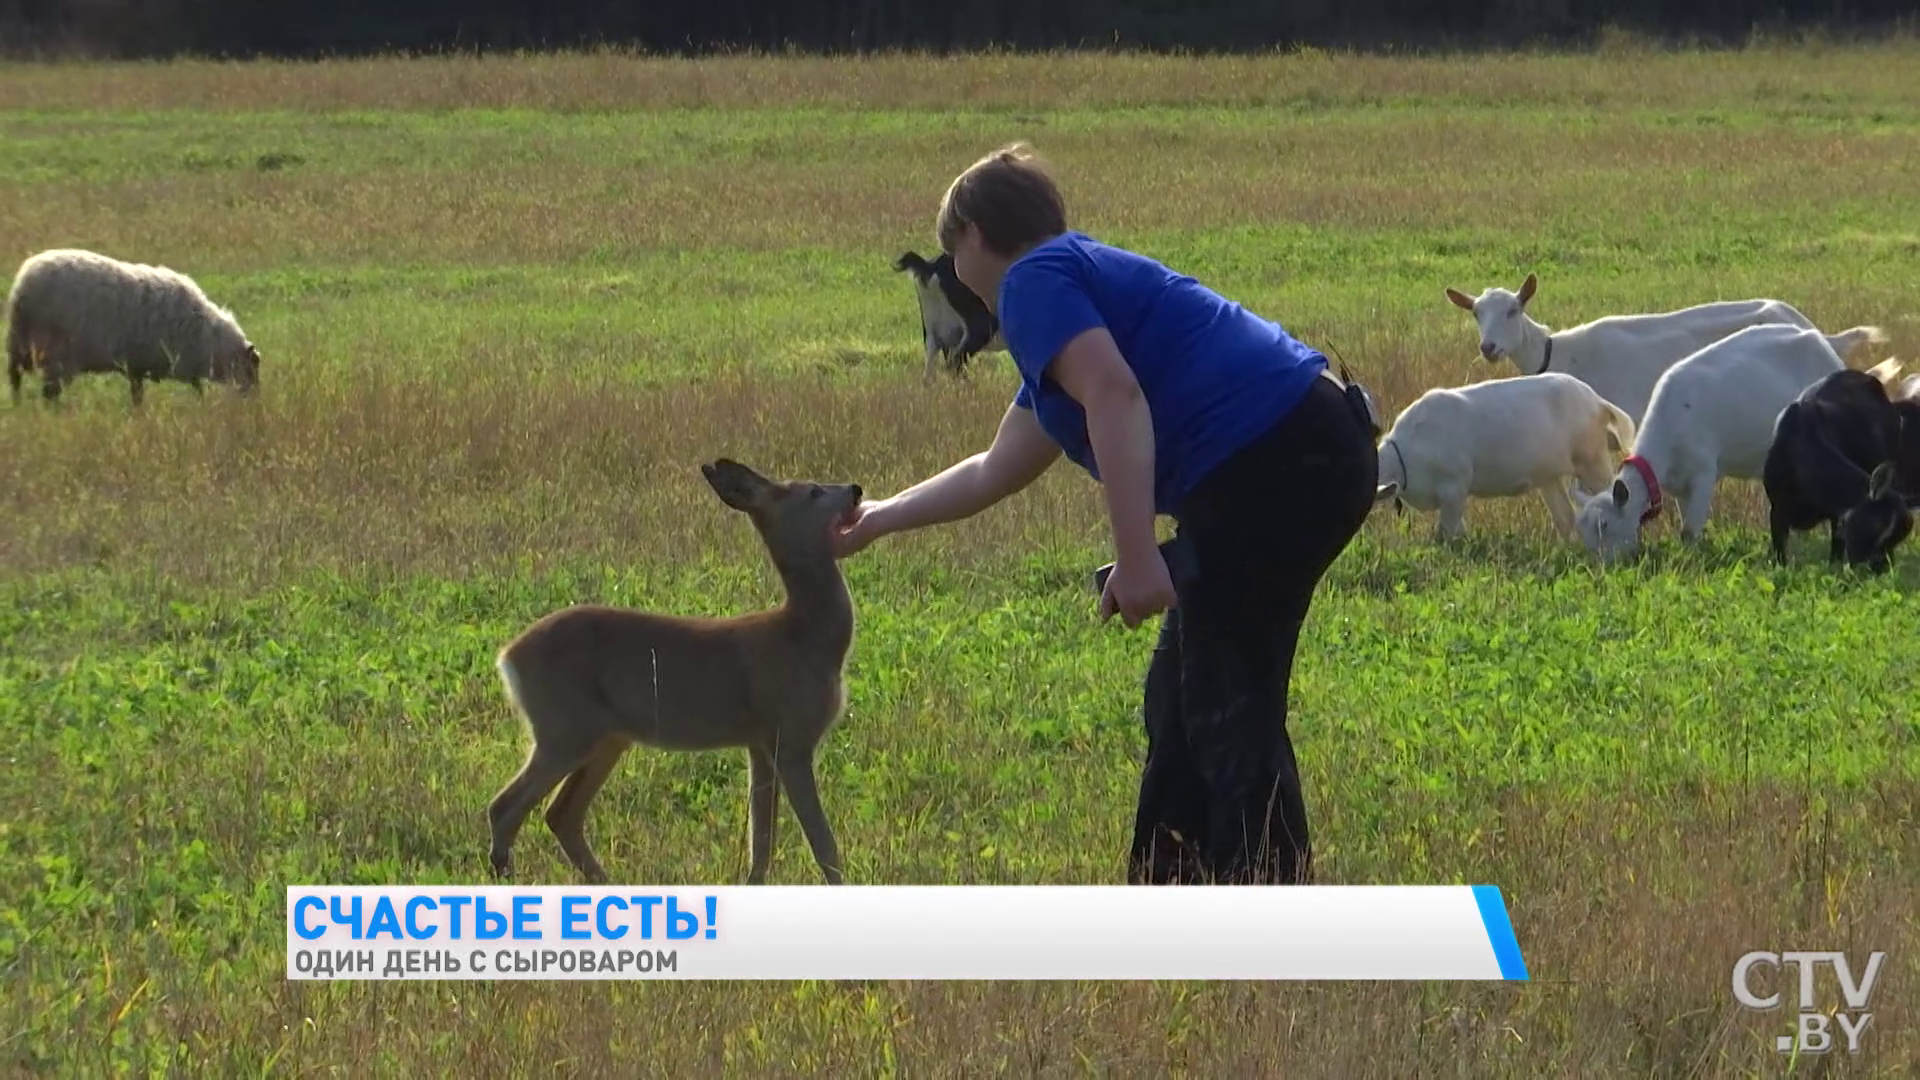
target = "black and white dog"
x: 954, y: 323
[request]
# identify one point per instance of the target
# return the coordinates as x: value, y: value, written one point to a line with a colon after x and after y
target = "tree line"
x: 132, y: 29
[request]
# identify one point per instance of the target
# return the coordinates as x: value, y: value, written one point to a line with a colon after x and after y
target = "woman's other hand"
x: 1138, y: 590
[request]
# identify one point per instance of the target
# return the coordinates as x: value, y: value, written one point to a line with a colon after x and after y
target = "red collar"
x: 1653, y: 486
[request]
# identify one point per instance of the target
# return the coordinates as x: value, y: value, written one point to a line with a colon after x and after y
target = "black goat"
x: 1834, y: 459
x: 954, y: 323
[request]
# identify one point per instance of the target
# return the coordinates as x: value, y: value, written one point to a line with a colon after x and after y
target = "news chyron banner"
x: 901, y: 932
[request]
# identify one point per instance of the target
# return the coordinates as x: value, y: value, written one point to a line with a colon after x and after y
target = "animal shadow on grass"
x: 1724, y: 550
x: 835, y: 359
x: 1808, y: 568
x: 1399, y: 556
x: 1396, y: 556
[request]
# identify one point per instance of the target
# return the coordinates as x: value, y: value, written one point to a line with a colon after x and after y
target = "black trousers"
x: 1220, y: 797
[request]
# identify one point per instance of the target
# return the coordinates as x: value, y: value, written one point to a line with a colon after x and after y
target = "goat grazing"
x: 1500, y: 439
x: 1833, y: 459
x: 1712, y: 415
x: 954, y: 323
x: 1622, y: 356
x: 591, y: 680
x: 72, y: 312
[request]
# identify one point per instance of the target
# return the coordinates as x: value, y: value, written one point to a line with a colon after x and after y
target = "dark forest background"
x: 311, y: 28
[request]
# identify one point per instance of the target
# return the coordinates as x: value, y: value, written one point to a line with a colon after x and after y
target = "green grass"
x: 248, y: 645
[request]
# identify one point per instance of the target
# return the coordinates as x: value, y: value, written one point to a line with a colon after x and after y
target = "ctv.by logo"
x: 1811, y: 1031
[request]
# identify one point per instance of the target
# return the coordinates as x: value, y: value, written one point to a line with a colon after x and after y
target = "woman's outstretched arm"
x: 1020, y: 452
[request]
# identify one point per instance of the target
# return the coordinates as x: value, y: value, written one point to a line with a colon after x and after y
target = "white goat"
x: 1712, y: 415
x: 1622, y: 356
x: 1500, y: 439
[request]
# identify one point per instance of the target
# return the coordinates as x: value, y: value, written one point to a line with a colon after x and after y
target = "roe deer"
x: 592, y: 680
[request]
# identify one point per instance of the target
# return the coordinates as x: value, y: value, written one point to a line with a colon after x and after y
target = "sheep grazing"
x: 1833, y: 459
x: 74, y: 312
x: 1712, y: 415
x: 954, y: 323
x: 1622, y: 356
x: 1501, y: 439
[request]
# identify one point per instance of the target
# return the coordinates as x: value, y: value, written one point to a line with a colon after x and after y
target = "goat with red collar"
x: 1711, y: 415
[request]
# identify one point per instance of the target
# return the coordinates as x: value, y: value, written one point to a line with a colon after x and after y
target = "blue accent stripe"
x: 1506, y: 949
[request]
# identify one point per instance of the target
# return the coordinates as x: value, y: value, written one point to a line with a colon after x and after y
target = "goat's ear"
x: 737, y: 485
x: 1526, y: 289
x: 1620, y: 494
x: 1881, y: 482
x: 1459, y: 299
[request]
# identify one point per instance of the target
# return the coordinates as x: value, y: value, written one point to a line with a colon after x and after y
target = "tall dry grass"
x: 394, y: 476
x: 1783, y: 71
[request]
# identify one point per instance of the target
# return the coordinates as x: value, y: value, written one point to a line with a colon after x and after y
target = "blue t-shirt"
x: 1214, y: 374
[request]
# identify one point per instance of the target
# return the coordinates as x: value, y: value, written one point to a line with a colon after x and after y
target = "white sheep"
x: 1501, y: 439
x: 1622, y: 356
x: 73, y: 312
x: 1712, y: 415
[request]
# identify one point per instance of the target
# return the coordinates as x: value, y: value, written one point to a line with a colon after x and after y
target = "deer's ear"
x: 737, y: 485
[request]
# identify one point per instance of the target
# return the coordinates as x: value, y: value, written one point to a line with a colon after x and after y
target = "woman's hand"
x: 1020, y: 452
x: 852, y: 536
x: 1138, y: 590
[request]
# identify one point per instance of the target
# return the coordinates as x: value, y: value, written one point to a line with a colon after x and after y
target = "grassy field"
x: 508, y: 306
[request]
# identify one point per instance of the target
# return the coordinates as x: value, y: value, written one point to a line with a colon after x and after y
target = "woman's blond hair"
x: 1008, y: 196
